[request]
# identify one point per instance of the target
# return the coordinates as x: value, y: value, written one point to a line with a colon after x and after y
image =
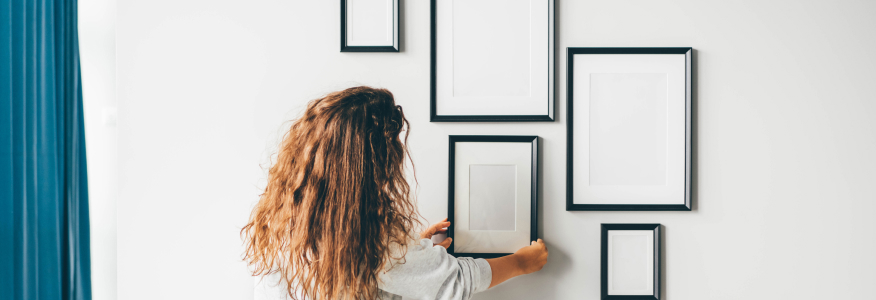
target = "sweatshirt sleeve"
x: 428, y: 272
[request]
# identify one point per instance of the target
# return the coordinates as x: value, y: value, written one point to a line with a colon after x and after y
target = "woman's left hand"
x: 440, y: 227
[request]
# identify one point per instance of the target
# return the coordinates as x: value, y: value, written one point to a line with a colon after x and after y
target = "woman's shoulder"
x: 418, y: 250
x: 422, y: 262
x: 427, y: 271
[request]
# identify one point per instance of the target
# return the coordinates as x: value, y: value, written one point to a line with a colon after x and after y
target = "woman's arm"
x: 527, y: 260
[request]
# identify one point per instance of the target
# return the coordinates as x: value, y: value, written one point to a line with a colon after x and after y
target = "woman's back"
x: 427, y: 273
x: 336, y: 217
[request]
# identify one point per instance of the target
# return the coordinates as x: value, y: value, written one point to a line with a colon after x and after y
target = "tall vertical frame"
x: 628, y: 129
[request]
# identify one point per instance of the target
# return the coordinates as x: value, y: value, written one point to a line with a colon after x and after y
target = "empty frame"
x: 369, y: 26
x: 492, y: 60
x: 630, y: 262
x: 492, y: 200
x: 628, y: 129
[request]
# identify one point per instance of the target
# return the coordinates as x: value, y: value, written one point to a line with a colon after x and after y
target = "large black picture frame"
x: 451, y: 212
x: 604, y: 261
x: 570, y: 60
x: 549, y: 117
x: 346, y: 48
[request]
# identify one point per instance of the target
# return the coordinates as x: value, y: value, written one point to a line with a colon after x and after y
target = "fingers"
x: 439, y: 227
x: 445, y: 243
x: 542, y: 258
x: 544, y: 247
x: 540, y: 242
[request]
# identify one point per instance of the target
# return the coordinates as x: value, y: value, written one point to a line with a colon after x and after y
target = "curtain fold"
x: 44, y: 241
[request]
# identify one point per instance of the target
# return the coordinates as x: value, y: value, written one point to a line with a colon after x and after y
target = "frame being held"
x: 630, y: 263
x: 492, y: 194
x: 369, y: 26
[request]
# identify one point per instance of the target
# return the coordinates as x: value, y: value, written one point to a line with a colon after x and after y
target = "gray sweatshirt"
x: 427, y: 273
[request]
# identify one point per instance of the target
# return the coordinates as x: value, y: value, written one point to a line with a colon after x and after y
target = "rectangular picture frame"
x: 643, y: 65
x: 485, y: 94
x: 461, y: 230
x: 630, y: 272
x: 371, y: 21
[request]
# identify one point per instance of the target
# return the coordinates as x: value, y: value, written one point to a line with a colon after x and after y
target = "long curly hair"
x: 337, y: 209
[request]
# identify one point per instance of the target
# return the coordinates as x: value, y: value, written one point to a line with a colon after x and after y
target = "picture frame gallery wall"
x: 628, y: 129
x: 492, y: 194
x: 492, y: 61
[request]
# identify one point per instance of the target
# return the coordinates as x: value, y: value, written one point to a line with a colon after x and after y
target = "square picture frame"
x: 370, y: 26
x: 630, y: 262
x: 504, y: 76
x: 623, y: 159
x: 498, y: 214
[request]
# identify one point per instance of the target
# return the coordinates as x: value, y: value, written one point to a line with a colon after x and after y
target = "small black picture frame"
x: 451, y: 188
x: 570, y: 132
x: 604, y: 263
x: 382, y: 48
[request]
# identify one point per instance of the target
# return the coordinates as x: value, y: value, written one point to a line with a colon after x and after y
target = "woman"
x: 336, y: 218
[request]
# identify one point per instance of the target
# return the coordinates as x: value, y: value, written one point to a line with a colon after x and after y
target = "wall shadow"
x: 694, y: 140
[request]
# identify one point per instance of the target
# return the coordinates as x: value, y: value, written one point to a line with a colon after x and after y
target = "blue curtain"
x: 44, y: 242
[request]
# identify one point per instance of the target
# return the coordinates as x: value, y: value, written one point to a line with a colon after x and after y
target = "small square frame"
x: 397, y: 31
x: 604, y: 261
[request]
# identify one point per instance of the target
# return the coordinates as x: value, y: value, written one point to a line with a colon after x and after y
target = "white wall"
x: 783, y: 173
x: 97, y: 49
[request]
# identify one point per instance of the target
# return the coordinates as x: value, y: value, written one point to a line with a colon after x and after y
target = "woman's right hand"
x: 526, y: 260
x: 533, y: 257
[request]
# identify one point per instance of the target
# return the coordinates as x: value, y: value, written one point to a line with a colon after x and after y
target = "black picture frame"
x: 434, y: 117
x: 451, y: 185
x: 346, y: 48
x: 570, y: 60
x: 604, y: 261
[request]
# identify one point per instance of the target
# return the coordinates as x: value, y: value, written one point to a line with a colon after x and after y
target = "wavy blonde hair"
x: 337, y: 205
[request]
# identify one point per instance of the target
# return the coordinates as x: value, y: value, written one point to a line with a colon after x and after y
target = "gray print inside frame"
x: 492, y: 195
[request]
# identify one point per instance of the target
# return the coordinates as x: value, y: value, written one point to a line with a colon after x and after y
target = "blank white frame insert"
x: 628, y: 129
x: 630, y: 262
x: 492, y: 197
